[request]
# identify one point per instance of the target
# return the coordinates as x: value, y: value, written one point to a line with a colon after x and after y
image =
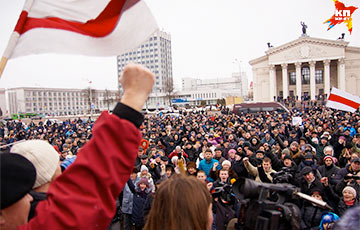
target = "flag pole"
x: 15, y: 35
x: 2, y: 65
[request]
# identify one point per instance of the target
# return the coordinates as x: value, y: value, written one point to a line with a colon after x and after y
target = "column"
x: 285, y: 80
x: 272, y: 85
x: 341, y: 74
x: 312, y: 80
x: 327, y: 77
x: 298, y: 80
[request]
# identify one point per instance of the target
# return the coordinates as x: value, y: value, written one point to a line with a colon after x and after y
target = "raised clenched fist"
x: 137, y: 82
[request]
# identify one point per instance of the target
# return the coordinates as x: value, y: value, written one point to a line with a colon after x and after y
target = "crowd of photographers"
x: 318, y: 151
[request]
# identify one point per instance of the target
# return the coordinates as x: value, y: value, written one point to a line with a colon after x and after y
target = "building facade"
x: 56, y: 101
x: 195, y: 90
x: 306, y: 69
x: 156, y: 55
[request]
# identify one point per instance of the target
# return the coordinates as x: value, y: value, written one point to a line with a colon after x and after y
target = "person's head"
x: 140, y: 151
x: 176, y: 198
x: 177, y: 149
x: 208, y: 154
x: 218, y: 152
x: 328, y: 150
x: 144, y: 170
x: 133, y: 174
x: 231, y: 153
x: 226, y: 164
x: 294, y: 146
x: 328, y: 160
x: 201, y: 176
x: 44, y: 158
x: 355, y: 164
x: 223, y: 174
x: 164, y: 160
x: 349, y: 193
x: 308, y: 174
x: 191, y: 167
x: 169, y: 171
x: 249, y: 152
x: 324, y: 140
x: 266, y: 164
x: 143, y: 183
x: 260, y: 154
x: 287, y: 161
x: 328, y: 220
x: 18, y: 176
x: 144, y: 159
x: 188, y: 145
x: 317, y: 194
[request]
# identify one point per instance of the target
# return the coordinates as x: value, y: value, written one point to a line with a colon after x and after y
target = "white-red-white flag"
x: 86, y: 27
x: 342, y: 100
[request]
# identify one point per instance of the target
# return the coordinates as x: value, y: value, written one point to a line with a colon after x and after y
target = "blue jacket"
x: 206, y: 167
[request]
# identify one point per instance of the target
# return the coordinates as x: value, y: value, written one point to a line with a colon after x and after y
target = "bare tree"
x: 90, y: 97
x: 169, y: 88
x: 110, y: 97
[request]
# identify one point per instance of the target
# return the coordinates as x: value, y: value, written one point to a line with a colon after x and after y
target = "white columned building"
x: 305, y: 69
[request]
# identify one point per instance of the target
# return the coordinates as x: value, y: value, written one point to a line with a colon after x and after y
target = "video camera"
x: 283, y: 176
x: 224, y: 193
x: 259, y: 213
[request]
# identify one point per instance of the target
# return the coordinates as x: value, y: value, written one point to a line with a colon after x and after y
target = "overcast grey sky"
x: 207, y: 36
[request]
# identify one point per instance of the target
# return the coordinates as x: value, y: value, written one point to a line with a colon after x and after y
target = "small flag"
x: 342, y: 100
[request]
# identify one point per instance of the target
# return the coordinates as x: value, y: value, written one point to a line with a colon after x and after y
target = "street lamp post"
x: 240, y: 77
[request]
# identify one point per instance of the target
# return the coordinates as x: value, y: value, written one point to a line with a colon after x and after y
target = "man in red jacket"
x: 83, y: 197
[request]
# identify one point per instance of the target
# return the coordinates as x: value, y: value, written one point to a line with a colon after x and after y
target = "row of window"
x: 305, y: 77
x: 204, y: 95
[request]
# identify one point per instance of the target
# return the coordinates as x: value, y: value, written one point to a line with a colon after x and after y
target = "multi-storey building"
x: 156, y: 55
x: 56, y: 101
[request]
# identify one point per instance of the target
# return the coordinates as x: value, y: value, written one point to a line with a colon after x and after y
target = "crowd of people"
x: 320, y: 155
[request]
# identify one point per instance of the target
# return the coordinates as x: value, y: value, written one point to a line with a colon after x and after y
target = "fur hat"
x: 42, y: 155
x: 232, y: 151
x: 17, y: 178
x: 226, y: 162
x: 350, y: 189
x: 143, y: 167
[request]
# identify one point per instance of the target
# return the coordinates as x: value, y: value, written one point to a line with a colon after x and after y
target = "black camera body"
x: 224, y: 193
x: 283, y: 176
x: 259, y: 213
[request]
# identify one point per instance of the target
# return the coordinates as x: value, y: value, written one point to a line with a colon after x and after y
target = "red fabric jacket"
x: 83, y: 197
x: 174, y: 153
